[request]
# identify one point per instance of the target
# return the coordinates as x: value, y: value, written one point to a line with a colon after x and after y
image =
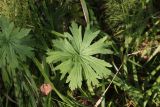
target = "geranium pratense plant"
x: 75, y: 54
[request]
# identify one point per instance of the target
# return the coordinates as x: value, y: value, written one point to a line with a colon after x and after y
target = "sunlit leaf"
x: 76, y: 60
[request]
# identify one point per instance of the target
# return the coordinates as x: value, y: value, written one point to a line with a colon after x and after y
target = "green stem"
x: 38, y: 64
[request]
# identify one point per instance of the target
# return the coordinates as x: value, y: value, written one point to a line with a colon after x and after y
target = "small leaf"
x: 75, y: 77
x: 22, y: 33
x: 64, y: 67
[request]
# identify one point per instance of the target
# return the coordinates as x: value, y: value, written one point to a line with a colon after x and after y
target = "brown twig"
x: 102, y: 96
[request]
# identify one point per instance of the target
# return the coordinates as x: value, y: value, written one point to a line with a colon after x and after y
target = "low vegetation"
x: 80, y: 53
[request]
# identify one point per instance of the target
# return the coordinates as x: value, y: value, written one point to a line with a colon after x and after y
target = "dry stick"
x: 134, y: 53
x: 102, y: 96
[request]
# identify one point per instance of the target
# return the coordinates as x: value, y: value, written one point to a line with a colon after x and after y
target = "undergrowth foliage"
x: 15, y: 50
x: 15, y: 10
x: 13, y: 44
x: 75, y: 54
x: 116, y: 65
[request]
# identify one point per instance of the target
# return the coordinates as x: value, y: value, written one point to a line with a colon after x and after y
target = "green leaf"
x: 77, y: 36
x: 96, y: 48
x: 75, y: 76
x: 88, y: 37
x: 13, y: 49
x: 64, y: 67
x: 22, y: 33
x: 75, y: 60
x: 57, y: 56
x: 90, y: 74
x: 154, y: 53
x: 99, y: 66
x: 8, y: 29
x: 97, y: 61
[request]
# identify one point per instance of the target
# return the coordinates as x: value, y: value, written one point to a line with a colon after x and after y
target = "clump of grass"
x: 15, y: 10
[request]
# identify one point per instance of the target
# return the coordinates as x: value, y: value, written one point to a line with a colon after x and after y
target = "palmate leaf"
x: 75, y: 60
x: 12, y: 47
